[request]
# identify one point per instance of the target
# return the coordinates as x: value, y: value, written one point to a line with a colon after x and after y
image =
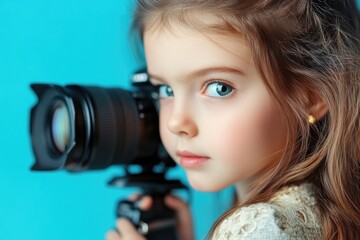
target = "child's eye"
x: 165, y: 91
x: 218, y: 89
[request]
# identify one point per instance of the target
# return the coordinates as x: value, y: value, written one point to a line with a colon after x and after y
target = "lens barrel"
x: 85, y: 127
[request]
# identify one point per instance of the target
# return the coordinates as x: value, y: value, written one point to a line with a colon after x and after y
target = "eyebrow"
x: 202, y: 72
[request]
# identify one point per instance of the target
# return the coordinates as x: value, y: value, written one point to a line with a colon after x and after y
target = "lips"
x: 191, y: 160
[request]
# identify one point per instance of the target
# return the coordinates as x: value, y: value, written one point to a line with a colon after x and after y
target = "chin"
x: 204, y: 185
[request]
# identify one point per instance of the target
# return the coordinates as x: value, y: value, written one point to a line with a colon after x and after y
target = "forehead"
x: 183, y: 48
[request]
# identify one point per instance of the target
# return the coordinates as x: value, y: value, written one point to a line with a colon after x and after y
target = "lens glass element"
x: 60, y: 127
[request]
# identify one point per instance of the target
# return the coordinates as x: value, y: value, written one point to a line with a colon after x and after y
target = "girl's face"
x: 217, y: 119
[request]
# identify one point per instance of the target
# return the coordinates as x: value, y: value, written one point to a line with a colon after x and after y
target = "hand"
x: 183, y: 215
x: 125, y: 227
x: 128, y: 232
x: 184, y: 221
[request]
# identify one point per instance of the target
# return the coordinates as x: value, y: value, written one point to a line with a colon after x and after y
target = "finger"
x: 145, y: 203
x: 181, y: 208
x: 112, y: 235
x: 134, y: 197
x: 185, y: 226
x: 127, y: 230
x: 176, y: 203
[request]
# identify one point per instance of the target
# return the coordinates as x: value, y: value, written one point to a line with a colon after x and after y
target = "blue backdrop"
x: 68, y: 41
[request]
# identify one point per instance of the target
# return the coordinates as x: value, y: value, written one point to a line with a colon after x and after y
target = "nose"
x: 181, y: 121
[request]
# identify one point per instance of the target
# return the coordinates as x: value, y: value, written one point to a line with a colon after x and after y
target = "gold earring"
x: 311, y: 119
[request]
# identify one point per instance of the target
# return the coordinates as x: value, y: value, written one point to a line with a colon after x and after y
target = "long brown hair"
x: 298, y: 46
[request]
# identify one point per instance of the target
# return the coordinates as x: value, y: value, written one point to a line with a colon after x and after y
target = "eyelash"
x: 209, y: 82
x: 156, y: 89
x: 204, y: 87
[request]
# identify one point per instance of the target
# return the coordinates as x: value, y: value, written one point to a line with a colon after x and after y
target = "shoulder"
x: 257, y: 221
x: 291, y: 213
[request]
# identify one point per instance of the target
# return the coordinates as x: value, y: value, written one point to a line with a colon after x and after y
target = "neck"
x: 242, y: 190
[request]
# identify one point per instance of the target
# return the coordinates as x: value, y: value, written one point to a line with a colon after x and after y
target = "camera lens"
x: 85, y: 127
x: 60, y: 127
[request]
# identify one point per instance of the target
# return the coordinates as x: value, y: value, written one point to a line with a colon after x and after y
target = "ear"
x: 317, y: 106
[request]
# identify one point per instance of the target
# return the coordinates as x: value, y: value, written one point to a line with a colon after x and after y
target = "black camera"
x: 81, y: 128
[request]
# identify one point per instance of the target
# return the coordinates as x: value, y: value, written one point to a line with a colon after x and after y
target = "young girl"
x: 263, y: 95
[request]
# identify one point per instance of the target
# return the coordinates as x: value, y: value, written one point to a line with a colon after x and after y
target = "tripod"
x: 159, y: 222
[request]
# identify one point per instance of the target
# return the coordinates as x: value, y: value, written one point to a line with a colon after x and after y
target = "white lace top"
x: 291, y: 214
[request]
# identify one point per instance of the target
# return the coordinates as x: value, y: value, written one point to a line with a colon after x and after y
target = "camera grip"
x: 158, y: 222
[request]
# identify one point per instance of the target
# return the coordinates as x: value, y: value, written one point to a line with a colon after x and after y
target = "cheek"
x: 167, y: 138
x: 248, y: 138
x: 239, y: 140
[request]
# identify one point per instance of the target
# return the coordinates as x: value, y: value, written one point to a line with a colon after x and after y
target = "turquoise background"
x: 68, y: 41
